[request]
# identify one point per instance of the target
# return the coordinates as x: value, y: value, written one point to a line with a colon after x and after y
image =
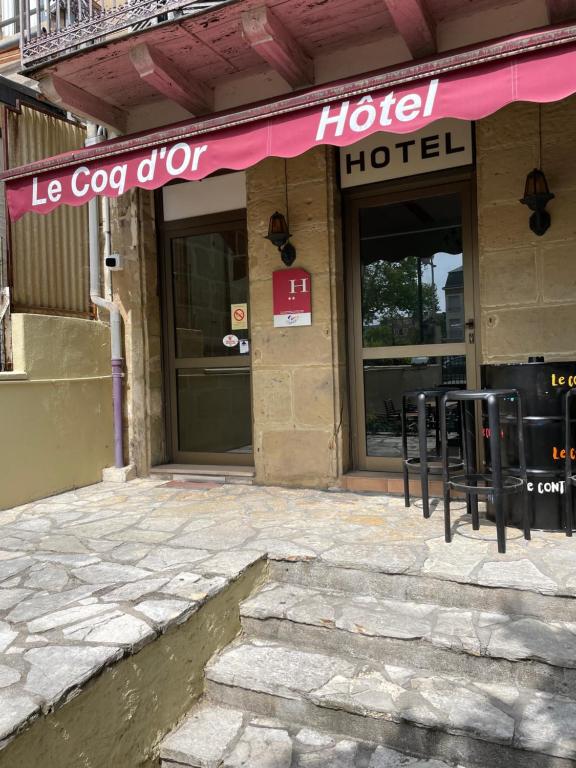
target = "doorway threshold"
x: 195, y: 473
x: 364, y: 481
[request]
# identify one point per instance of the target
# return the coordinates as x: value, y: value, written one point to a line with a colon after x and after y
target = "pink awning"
x: 187, y: 152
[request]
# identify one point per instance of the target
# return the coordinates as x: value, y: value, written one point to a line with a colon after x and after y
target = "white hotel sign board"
x: 383, y: 156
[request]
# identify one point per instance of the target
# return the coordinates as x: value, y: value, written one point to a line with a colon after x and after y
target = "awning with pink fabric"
x: 393, y: 102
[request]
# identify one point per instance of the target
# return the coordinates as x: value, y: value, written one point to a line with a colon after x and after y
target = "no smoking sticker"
x: 239, y: 317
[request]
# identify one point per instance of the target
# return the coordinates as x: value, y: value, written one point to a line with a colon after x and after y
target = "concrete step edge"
x: 467, y: 632
x: 204, y: 470
x: 422, y: 588
x: 482, y: 721
x: 212, y: 735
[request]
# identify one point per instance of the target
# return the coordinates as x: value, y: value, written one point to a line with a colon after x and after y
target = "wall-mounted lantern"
x: 536, y: 192
x: 279, y: 235
x: 536, y: 197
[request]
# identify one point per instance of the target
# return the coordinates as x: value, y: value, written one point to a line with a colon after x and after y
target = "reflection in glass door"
x: 206, y: 272
x: 413, y: 324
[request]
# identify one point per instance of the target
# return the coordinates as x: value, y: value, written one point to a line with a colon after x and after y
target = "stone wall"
x: 136, y: 288
x: 527, y: 290
x: 527, y: 283
x: 298, y: 374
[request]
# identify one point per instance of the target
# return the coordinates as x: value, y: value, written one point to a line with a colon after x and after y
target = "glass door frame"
x: 229, y: 220
x: 376, y: 195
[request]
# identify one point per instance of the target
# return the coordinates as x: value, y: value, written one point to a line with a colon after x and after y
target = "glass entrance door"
x: 412, y: 318
x: 205, y: 274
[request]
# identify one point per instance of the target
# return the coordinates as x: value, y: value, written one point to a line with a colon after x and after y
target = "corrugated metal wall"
x: 4, y: 332
x: 49, y: 253
x: 3, y: 269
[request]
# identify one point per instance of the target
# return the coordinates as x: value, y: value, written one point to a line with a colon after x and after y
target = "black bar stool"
x: 493, y: 484
x: 569, y: 477
x: 426, y: 463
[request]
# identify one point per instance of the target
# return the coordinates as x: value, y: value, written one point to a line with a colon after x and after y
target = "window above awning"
x: 399, y: 101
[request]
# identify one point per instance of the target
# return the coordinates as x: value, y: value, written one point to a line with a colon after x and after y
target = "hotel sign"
x: 292, y: 297
x: 382, y: 156
x: 389, y: 105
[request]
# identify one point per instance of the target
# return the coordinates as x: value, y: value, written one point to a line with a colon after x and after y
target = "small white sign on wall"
x: 383, y: 156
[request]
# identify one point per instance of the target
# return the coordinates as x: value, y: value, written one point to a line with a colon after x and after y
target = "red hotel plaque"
x: 292, y: 292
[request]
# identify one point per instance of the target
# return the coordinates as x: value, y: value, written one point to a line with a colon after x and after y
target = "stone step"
x: 216, y: 737
x: 510, y: 587
x: 494, y: 647
x: 452, y: 718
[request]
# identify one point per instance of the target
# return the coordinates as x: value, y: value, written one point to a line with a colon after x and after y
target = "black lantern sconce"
x: 279, y: 235
x: 536, y: 197
x: 536, y: 192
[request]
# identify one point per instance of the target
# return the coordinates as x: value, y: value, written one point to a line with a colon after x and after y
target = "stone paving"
x: 91, y: 575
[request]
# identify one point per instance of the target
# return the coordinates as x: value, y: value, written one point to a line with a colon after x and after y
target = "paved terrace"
x: 89, y: 576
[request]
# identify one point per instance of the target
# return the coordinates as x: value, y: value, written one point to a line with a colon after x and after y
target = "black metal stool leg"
x: 468, y: 437
x: 423, y: 448
x: 445, y: 473
x: 567, y: 464
x: 464, y: 450
x: 437, y: 425
x: 522, y: 462
x: 496, y: 460
x: 405, y: 454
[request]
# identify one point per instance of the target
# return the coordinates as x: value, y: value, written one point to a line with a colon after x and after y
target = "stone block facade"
x: 301, y: 432
x: 298, y: 374
x: 136, y: 289
x: 299, y: 381
x: 527, y: 283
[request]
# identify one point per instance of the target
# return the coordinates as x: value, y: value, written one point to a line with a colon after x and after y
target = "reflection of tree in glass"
x: 390, y: 306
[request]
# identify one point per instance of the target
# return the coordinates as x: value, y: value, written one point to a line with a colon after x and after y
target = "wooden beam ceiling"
x: 274, y: 43
x: 162, y: 75
x: 414, y: 23
x: 73, y: 99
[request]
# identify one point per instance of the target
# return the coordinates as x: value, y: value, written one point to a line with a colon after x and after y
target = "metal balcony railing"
x: 54, y: 28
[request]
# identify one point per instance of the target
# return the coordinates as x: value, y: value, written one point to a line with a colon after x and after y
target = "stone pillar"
x: 136, y: 288
x: 527, y: 283
x: 298, y: 374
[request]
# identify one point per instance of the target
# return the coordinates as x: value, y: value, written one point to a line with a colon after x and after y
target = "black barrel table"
x: 543, y: 387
